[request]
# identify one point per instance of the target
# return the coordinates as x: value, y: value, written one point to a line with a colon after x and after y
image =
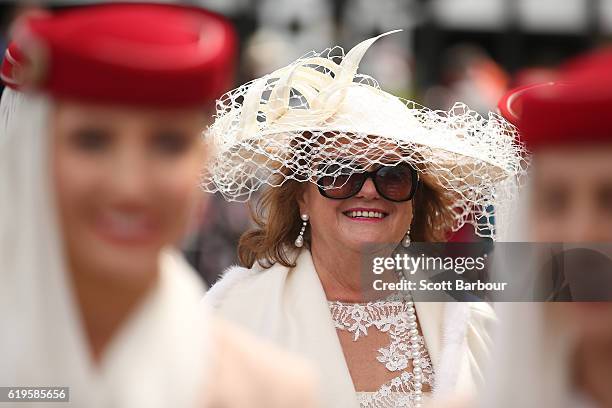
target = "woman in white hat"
x: 100, y: 155
x: 353, y: 169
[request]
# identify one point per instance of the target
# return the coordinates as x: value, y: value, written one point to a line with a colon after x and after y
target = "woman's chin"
x: 370, y: 244
x: 591, y: 318
x: 125, y: 266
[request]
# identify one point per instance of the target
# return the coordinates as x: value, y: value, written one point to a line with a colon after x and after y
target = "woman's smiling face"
x: 356, y: 222
x: 125, y: 181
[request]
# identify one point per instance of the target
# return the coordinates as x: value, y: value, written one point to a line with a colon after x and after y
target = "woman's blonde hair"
x: 278, y: 222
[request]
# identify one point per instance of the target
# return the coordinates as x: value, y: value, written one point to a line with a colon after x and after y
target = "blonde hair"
x: 277, y: 222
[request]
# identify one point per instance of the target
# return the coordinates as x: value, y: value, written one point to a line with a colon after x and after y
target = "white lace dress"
x: 396, y: 316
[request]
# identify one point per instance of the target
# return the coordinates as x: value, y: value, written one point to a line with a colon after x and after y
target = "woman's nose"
x: 585, y: 225
x: 129, y: 176
x: 368, y: 190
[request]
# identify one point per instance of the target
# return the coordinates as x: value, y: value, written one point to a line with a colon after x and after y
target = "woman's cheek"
x: 177, y: 195
x: 76, y: 184
x: 404, y: 210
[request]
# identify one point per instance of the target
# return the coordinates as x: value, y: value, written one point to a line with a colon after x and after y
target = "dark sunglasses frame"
x: 373, y: 175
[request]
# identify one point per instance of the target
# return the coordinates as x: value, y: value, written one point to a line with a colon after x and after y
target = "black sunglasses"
x: 394, y: 183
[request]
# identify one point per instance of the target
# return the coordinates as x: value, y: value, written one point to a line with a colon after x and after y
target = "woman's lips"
x: 365, y: 214
x: 126, y: 228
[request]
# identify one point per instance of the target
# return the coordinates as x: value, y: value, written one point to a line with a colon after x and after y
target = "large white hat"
x: 318, y: 110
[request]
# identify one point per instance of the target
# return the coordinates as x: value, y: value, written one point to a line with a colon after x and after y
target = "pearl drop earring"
x: 299, y: 241
x: 406, y: 240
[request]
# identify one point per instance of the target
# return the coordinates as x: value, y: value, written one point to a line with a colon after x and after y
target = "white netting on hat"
x: 317, y: 117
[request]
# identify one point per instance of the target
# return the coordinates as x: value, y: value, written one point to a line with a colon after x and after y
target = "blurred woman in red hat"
x: 559, y: 354
x: 100, y: 156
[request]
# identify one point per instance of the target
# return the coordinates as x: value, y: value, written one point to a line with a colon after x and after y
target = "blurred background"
x: 449, y: 50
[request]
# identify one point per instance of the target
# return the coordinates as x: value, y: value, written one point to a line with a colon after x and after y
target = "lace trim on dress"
x: 397, y: 317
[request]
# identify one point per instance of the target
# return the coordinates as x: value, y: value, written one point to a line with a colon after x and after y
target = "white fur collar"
x: 222, y: 288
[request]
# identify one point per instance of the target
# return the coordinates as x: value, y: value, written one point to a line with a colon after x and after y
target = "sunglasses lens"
x: 343, y: 186
x: 395, y: 183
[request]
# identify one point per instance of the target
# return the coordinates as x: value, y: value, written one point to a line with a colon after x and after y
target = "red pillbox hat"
x: 132, y: 54
x: 574, y: 110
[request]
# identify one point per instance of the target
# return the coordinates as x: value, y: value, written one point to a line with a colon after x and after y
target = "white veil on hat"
x: 317, y: 117
x: 158, y: 357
